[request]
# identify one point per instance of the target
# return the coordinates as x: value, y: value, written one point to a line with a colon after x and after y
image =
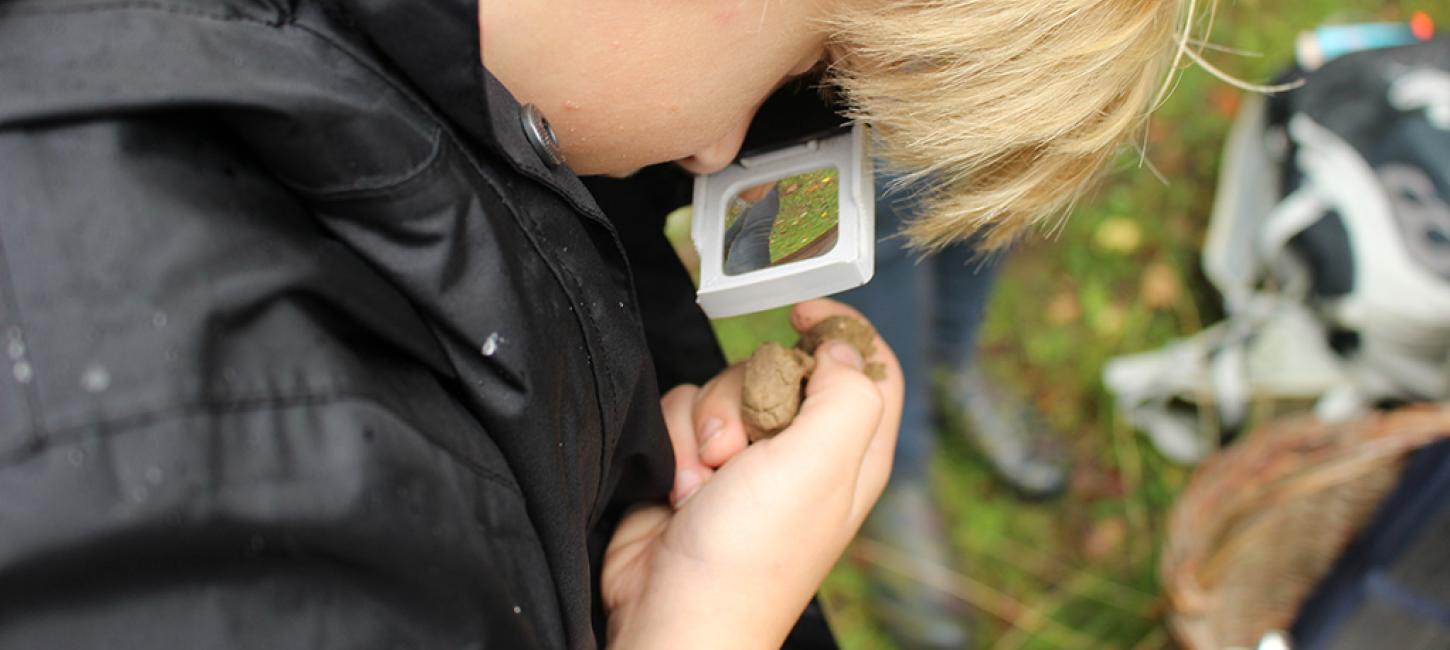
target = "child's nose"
x: 720, y: 153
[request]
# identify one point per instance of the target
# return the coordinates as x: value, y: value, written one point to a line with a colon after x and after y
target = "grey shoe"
x: 907, y: 523
x: 1019, y: 445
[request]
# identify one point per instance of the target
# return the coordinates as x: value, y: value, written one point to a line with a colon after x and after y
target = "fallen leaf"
x: 1159, y: 287
x: 1063, y: 309
x: 1225, y: 99
x: 1159, y: 130
x: 1119, y: 235
x: 1095, y: 483
x: 1104, y: 537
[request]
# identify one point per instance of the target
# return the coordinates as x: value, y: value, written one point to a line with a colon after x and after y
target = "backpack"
x: 1330, y: 244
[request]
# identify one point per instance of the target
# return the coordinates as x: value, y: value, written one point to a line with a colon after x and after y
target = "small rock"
x: 775, y: 375
x: 772, y: 392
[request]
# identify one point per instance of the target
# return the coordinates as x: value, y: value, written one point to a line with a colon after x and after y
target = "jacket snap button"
x: 541, y: 135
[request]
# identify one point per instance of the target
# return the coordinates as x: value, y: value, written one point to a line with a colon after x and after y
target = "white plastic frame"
x: 849, y: 264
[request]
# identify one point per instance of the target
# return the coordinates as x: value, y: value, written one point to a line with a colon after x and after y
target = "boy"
x: 315, y: 343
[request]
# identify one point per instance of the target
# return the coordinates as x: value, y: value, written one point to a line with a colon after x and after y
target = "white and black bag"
x: 1330, y: 242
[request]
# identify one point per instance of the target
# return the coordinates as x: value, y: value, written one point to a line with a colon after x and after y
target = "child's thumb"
x: 844, y: 353
x: 842, y: 407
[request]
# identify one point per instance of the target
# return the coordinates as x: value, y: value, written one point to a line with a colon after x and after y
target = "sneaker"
x: 1015, y: 439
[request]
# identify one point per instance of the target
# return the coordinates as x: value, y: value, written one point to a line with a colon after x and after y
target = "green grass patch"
x: 809, y: 208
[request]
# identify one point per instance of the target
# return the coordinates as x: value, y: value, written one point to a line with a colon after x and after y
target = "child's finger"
x: 719, y: 428
x: 876, y: 464
x: 690, y: 473
x: 838, y: 418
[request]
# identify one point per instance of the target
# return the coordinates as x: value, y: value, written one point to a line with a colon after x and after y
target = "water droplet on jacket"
x: 154, y: 475
x: 158, y: 319
x: 518, y: 610
x: 621, y: 303
x: 95, y: 378
x: 23, y: 372
x: 15, y: 348
x: 490, y: 345
x: 76, y: 457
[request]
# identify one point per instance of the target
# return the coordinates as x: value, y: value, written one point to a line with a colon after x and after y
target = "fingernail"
x: 687, y: 482
x: 710, y: 428
x: 845, y: 353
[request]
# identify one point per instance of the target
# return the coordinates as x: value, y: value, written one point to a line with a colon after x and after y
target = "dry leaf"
x: 1160, y: 288
x: 1105, y: 536
x: 1095, y: 483
x: 1063, y: 309
x: 1119, y: 235
x: 1225, y: 100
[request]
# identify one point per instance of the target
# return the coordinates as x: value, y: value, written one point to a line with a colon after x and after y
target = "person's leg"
x: 896, y: 301
x: 907, y: 521
x: 748, y: 248
x: 964, y: 280
x: 1003, y: 426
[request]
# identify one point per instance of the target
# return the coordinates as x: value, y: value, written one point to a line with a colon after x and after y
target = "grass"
x: 809, y: 207
x: 1121, y: 277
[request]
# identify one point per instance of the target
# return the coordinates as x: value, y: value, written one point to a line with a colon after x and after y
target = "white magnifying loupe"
x: 786, y: 225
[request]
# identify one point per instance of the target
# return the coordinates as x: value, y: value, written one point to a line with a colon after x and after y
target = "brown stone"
x: 772, y: 393
x: 775, y: 375
x: 843, y: 328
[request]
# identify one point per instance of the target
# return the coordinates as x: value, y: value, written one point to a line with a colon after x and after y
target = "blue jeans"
x: 928, y: 309
x: 747, y: 241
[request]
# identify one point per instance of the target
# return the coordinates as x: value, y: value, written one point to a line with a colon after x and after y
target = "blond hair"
x: 1009, y: 107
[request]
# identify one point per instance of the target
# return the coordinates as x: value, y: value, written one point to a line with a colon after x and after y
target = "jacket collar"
x: 435, y: 44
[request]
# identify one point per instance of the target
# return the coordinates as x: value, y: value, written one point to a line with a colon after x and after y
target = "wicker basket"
x: 1263, y: 521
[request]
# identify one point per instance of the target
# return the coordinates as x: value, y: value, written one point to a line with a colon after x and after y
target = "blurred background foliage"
x: 1122, y: 275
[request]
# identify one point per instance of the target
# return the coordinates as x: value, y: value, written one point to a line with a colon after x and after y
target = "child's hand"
x: 749, y: 540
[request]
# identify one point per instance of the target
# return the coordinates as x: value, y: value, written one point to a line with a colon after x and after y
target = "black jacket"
x: 305, y: 347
